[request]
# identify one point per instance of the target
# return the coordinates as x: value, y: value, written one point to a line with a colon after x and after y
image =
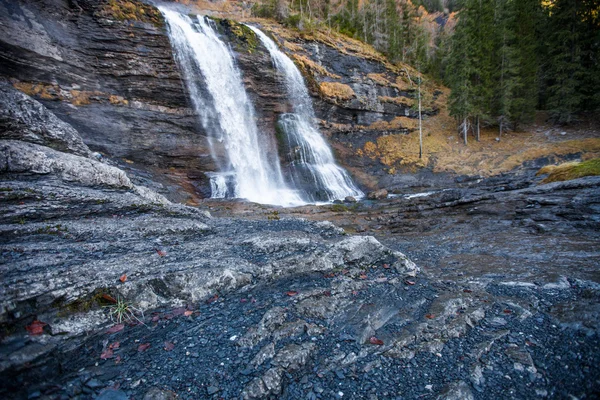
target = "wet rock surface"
x: 115, y: 80
x: 433, y: 340
x: 281, y: 321
x: 109, y: 291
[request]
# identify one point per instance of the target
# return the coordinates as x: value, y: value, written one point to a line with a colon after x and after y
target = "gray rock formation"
x: 54, y: 201
x: 23, y: 118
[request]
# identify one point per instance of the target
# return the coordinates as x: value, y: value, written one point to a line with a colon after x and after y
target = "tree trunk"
x: 420, y: 124
x: 478, y: 131
x: 465, y: 129
x: 501, y: 126
x: 282, y: 10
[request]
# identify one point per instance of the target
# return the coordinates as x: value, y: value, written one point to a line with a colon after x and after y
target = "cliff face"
x: 113, y: 78
x: 107, y: 68
x: 358, y: 96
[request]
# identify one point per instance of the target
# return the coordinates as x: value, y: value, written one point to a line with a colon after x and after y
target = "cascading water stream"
x: 227, y: 114
x: 312, y: 165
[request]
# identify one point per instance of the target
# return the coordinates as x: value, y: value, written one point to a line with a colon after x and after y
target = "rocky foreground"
x: 110, y: 291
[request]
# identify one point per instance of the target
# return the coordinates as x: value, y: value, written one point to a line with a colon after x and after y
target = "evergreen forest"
x: 502, y: 59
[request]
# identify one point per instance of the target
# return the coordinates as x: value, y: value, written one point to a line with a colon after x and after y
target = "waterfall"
x: 312, y: 165
x: 215, y: 86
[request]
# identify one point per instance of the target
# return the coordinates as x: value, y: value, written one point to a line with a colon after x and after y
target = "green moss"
x: 52, y: 230
x: 572, y: 170
x: 96, y: 299
x: 130, y: 10
x: 243, y: 37
x: 339, y: 208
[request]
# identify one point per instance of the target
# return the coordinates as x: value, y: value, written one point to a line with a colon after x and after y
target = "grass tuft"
x: 570, y: 170
x: 121, y: 312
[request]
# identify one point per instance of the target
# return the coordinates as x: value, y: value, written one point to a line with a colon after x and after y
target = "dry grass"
x: 397, y: 124
x: 379, y: 79
x: 444, y: 151
x: 222, y: 6
x: 344, y: 45
x: 291, y: 46
x: 571, y: 170
x: 336, y: 90
x: 401, y: 100
x: 80, y: 97
x: 130, y: 10
x: 402, y: 81
x: 117, y: 100
x: 76, y: 97
x: 312, y: 67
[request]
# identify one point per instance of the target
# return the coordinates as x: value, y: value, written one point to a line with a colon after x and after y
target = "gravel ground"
x: 501, y: 342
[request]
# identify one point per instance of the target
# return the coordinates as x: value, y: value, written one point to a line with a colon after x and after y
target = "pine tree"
x: 461, y: 69
x: 525, y: 15
x: 469, y: 67
x: 505, y: 71
x: 565, y: 69
x: 589, y: 16
x: 483, y: 59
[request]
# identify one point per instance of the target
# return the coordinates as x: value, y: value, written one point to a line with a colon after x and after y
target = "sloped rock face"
x: 23, y: 118
x: 357, y: 95
x: 264, y: 308
x: 114, y: 80
x: 108, y: 70
x: 72, y: 226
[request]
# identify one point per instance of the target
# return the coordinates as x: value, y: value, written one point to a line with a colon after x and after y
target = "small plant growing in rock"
x: 274, y: 216
x: 121, y: 312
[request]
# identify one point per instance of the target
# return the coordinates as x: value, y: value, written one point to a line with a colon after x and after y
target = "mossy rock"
x: 571, y: 170
x: 130, y: 10
x: 242, y: 37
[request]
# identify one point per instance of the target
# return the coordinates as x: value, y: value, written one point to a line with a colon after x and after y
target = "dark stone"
x: 212, y: 390
x: 159, y: 394
x: 378, y: 194
x: 112, y: 394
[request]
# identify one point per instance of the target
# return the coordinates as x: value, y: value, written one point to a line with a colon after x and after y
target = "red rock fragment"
x: 109, y: 298
x: 116, y: 328
x: 374, y: 340
x: 143, y: 347
x: 36, y: 328
x: 169, y: 346
x: 106, y: 354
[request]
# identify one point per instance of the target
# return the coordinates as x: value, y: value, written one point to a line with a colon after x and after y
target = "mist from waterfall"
x: 251, y: 171
x: 312, y: 165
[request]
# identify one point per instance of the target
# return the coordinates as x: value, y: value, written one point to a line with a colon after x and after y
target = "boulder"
x: 378, y: 194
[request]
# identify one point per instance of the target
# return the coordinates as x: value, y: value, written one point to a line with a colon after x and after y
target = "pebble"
x: 498, y: 321
x: 112, y: 394
x: 212, y: 390
x: 94, y: 384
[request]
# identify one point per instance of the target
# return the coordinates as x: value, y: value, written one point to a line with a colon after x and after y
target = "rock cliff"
x: 107, y: 68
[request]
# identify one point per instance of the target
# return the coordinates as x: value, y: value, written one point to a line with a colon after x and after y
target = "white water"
x: 227, y: 114
x: 313, y: 166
